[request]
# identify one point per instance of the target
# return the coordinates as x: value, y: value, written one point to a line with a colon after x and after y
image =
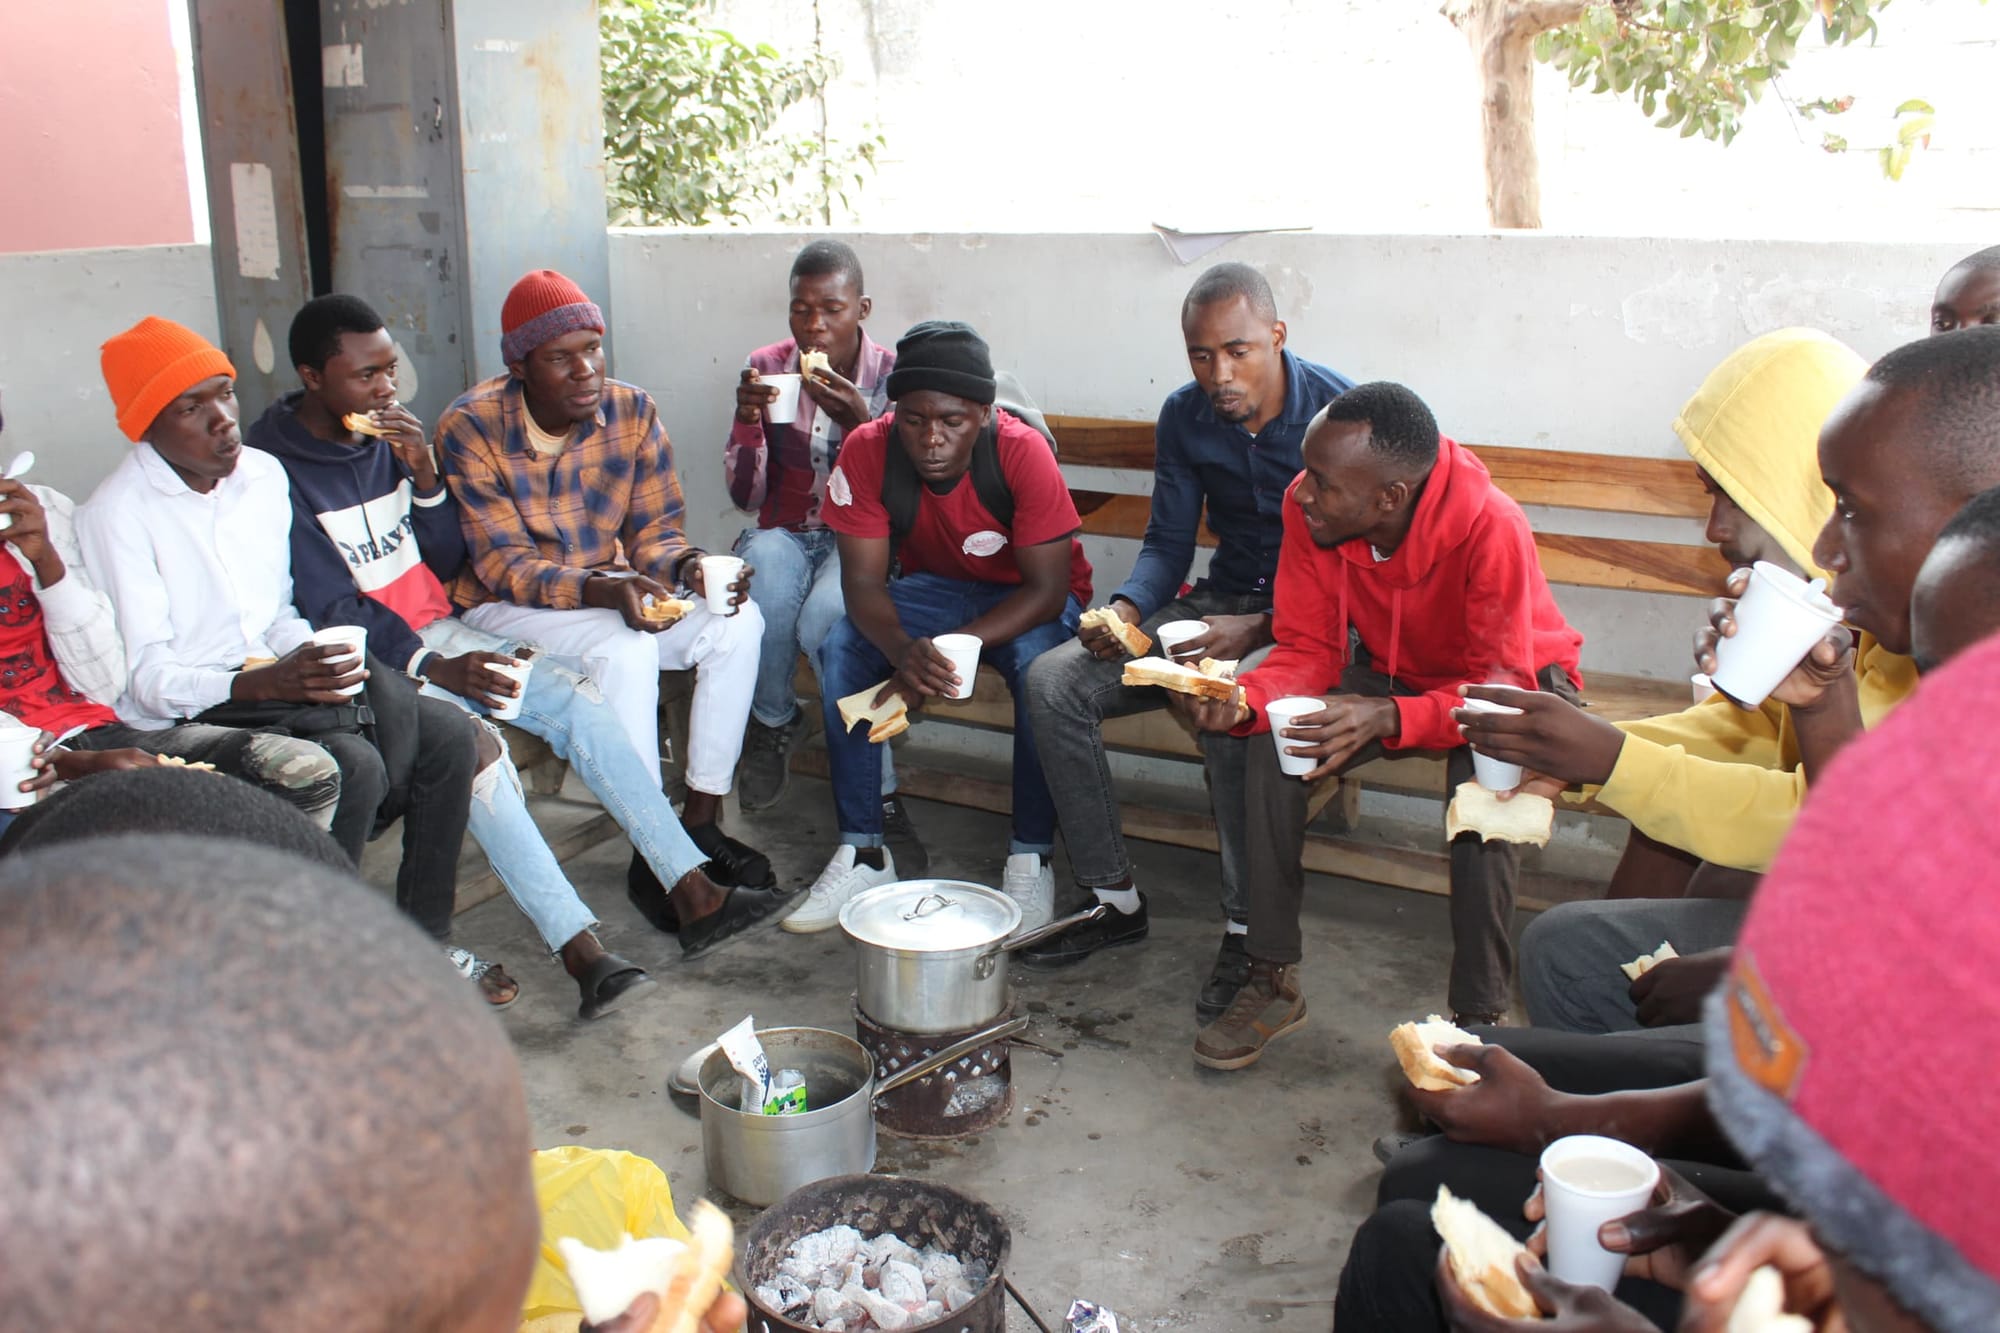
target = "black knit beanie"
x: 944, y: 355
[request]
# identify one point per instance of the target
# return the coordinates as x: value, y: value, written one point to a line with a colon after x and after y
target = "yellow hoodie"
x: 1720, y: 781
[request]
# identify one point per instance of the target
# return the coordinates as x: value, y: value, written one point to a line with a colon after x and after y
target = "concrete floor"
x: 1180, y: 1197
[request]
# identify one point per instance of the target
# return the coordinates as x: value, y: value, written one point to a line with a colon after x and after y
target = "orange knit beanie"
x: 151, y: 364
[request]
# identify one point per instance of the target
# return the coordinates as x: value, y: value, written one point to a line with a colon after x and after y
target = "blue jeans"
x: 797, y: 587
x: 564, y: 709
x: 928, y: 605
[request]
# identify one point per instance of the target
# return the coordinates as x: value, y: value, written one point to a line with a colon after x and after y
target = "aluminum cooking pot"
x: 931, y: 954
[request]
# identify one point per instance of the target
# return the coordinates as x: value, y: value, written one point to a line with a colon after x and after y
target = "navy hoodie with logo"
x: 366, y: 549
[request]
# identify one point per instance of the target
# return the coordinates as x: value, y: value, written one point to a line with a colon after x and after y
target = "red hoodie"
x: 1461, y: 602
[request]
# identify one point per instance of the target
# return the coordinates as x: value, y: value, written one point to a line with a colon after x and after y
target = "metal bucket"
x: 762, y: 1158
x: 919, y: 1211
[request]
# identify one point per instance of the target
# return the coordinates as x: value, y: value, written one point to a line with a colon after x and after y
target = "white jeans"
x: 626, y: 663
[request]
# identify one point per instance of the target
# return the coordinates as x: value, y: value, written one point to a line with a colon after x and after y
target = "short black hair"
x: 1226, y: 282
x: 823, y: 257
x: 1978, y: 522
x: 1987, y: 258
x: 1401, y: 428
x: 242, y: 1090
x: 1956, y: 383
x: 171, y: 800
x: 1956, y: 600
x: 317, y: 328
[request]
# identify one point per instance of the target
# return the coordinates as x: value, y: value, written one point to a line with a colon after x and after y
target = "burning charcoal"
x: 889, y: 1316
x: 801, y: 1270
x: 834, y: 1326
x: 786, y: 1294
x: 956, y: 1295
x: 828, y: 1304
x: 939, y: 1268
x: 903, y: 1283
x: 889, y: 1246
x: 854, y: 1275
x: 928, y: 1311
x: 977, y: 1275
x: 828, y: 1248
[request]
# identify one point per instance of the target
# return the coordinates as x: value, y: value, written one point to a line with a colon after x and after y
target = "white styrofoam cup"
x: 963, y: 650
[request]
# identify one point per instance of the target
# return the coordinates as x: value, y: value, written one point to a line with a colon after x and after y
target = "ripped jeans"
x: 566, y: 710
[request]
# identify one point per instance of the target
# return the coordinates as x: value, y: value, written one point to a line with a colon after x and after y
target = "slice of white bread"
x: 1224, y: 669
x: 1761, y: 1307
x: 890, y: 718
x: 814, y: 360
x: 1130, y: 637
x: 1413, y: 1044
x: 1482, y: 1258
x: 666, y: 610
x: 364, y: 424
x: 1178, y: 677
x: 1646, y: 962
x: 1522, y: 817
x: 686, y: 1276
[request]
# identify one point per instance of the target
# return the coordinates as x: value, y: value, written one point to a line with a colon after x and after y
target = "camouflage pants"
x: 295, y: 771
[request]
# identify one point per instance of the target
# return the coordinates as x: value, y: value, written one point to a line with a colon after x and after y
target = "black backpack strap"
x: 989, y: 483
x: 900, y: 494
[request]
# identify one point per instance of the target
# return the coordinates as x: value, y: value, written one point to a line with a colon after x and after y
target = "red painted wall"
x: 90, y: 126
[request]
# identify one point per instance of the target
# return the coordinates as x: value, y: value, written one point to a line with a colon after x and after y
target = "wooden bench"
x: 1600, y: 483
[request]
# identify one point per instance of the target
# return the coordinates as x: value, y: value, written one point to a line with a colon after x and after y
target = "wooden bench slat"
x: 1631, y: 566
x: 1562, y: 479
x: 1667, y: 487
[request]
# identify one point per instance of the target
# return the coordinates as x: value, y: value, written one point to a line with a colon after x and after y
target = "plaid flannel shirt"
x: 538, y: 527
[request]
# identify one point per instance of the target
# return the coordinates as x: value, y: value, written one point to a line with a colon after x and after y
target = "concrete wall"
x: 95, y: 152
x: 1559, y: 342
x: 62, y: 307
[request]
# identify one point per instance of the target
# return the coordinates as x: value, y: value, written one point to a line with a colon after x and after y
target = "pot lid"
x: 930, y: 916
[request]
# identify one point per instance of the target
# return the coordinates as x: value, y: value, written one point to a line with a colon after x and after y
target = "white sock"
x: 1236, y: 928
x: 1125, y: 900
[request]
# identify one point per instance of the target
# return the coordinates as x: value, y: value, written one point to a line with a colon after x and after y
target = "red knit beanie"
x: 1849, y: 1049
x: 151, y: 364
x: 542, y: 306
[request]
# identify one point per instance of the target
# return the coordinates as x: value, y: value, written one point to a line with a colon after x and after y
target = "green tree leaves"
x: 689, y: 123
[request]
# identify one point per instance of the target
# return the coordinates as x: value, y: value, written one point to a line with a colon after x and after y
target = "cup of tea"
x: 1588, y: 1180
x: 963, y: 650
x: 1283, y: 712
x: 1778, y: 619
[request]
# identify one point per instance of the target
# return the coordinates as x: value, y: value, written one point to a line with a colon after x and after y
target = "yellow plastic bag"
x: 596, y: 1195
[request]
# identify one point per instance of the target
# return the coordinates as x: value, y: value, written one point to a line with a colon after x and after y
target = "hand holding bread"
x: 1415, y: 1045
x: 885, y: 717
x: 1523, y: 817
x: 1127, y: 637
x: 683, y: 1278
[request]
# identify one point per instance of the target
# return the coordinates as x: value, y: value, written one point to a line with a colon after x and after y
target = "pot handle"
x: 928, y: 905
x: 1039, y: 933
x: 930, y: 1064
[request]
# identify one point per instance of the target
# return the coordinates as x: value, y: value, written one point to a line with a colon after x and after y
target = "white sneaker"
x: 1030, y: 882
x: 842, y: 879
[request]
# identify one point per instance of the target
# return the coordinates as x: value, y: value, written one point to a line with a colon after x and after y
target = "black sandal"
x: 740, y: 910
x: 609, y: 982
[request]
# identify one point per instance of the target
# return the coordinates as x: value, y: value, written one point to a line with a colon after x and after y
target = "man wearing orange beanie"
x: 190, y: 536
x: 572, y: 518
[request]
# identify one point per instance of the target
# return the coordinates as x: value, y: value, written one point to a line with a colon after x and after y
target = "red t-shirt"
x: 32, y: 687
x: 954, y: 535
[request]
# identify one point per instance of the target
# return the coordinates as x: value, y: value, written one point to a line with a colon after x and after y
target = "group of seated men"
x: 1819, y: 1083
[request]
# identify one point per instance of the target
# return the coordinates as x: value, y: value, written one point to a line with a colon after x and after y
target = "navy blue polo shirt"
x: 1200, y: 460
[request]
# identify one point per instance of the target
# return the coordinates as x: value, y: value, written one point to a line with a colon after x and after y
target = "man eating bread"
x: 1404, y: 574
x: 777, y: 470
x: 375, y: 537
x: 1226, y: 446
x: 923, y: 554
x: 1710, y: 790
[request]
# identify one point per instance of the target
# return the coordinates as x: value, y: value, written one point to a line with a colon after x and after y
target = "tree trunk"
x: 1502, y: 36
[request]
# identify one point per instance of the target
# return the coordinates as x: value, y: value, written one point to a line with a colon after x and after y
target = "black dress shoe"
x: 1085, y: 938
x: 1231, y: 970
x: 732, y: 864
x: 740, y: 910
x: 645, y: 892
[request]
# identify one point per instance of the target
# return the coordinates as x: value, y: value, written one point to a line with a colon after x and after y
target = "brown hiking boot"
x: 1268, y: 1007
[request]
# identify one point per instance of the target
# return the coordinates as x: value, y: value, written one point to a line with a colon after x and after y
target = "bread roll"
x: 686, y: 1276
x: 1646, y: 962
x: 1482, y: 1258
x: 1522, y: 817
x: 1761, y: 1307
x: 1414, y: 1045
